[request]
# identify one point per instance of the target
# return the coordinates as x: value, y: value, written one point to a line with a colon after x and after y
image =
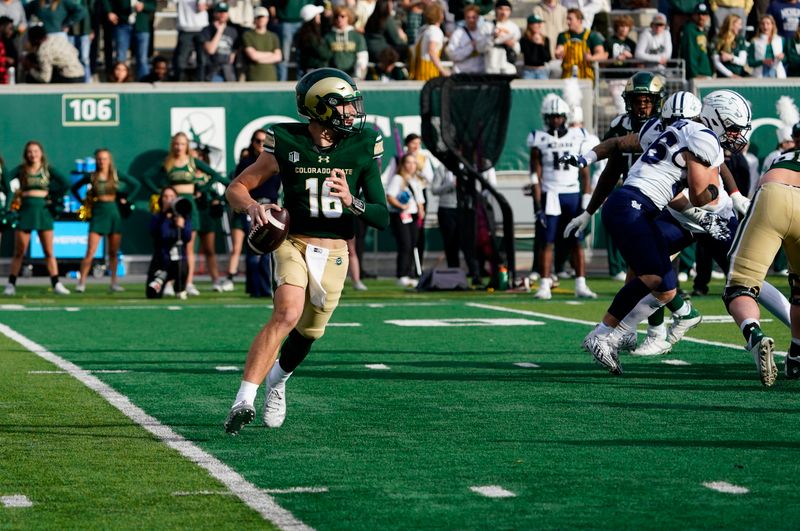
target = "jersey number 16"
x: 331, y: 207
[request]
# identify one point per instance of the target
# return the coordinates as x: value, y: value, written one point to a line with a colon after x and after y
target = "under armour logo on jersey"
x: 323, y: 158
x: 294, y: 156
x: 635, y: 204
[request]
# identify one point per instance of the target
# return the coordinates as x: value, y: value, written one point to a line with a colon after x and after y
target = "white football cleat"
x: 543, y: 292
x: 226, y: 285
x: 583, y: 292
x: 275, y: 406
x: 603, y: 351
x: 116, y: 288
x: 217, y: 286
x: 620, y: 277
x: 191, y: 290
x: 240, y: 415
x: 60, y: 289
x: 681, y: 325
x: 359, y: 286
x: 10, y: 290
x: 628, y: 342
x: 169, y: 290
x: 80, y: 288
x: 653, y: 345
x: 761, y: 348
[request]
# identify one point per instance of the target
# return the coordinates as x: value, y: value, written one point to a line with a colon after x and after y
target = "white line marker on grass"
x: 727, y: 488
x: 574, y: 303
x: 343, y: 325
x: 377, y: 366
x: 291, y: 490
x: 226, y: 368
x: 527, y: 365
x: 677, y: 363
x: 98, y: 371
x: 72, y: 309
x: 16, y: 501
x: 492, y: 491
x: 174, y: 308
x: 251, y: 495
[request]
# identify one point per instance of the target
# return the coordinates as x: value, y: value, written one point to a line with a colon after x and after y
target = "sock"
x: 277, y: 376
x: 659, y: 331
x: 627, y: 298
x: 604, y: 330
x: 54, y: 280
x: 681, y: 308
x: 546, y: 282
x: 580, y: 282
x: 231, y: 276
x: 656, y: 318
x: 640, y: 312
x: 749, y: 326
x: 794, y: 348
x: 247, y: 392
x: 775, y: 303
x: 12, y: 279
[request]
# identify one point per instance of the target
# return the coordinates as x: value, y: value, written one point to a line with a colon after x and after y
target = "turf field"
x: 416, y: 411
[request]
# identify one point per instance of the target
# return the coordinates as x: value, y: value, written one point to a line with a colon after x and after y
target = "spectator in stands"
x: 192, y: 19
x: 53, y: 60
x: 382, y: 30
x: 220, y: 42
x: 793, y: 55
x: 730, y: 50
x: 242, y: 13
x: 723, y: 8
x: 426, y: 59
x: 680, y: 12
x: 444, y: 188
x: 9, y: 46
x: 457, y: 7
x: 785, y: 143
x: 159, y: 71
x: 413, y: 20
x: 694, y: 44
x: 765, y: 54
x: 388, y: 68
x: 363, y: 9
x: 406, y: 211
x: 578, y: 48
x: 554, y: 16
x: 55, y: 17
x: 120, y: 73
x: 535, y: 48
x: 620, y: 47
x: 171, y: 229
x: 262, y: 48
x: 290, y: 15
x: 132, y: 19
x: 312, y: 50
x: 502, y: 57
x: 786, y: 16
x: 349, y: 48
x: 80, y: 35
x: 14, y: 10
x: 655, y: 42
x: 4, y: 65
x: 469, y: 43
x: 589, y: 9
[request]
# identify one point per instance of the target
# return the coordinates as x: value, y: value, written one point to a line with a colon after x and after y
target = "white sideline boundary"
x: 252, y: 496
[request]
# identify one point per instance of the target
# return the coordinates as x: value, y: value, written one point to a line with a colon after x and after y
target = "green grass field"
x: 408, y: 402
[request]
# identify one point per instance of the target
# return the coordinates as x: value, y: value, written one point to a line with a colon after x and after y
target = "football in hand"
x: 266, y: 238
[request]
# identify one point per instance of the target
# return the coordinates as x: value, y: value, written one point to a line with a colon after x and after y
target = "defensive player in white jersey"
x: 560, y: 191
x: 685, y: 151
x: 680, y: 224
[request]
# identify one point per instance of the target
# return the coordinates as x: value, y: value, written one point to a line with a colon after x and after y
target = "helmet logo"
x: 294, y: 156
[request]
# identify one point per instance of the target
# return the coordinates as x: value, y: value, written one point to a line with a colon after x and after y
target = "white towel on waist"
x: 316, y: 259
x: 552, y: 206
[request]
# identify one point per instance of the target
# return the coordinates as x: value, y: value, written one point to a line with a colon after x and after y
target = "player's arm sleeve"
x: 77, y: 186
x: 376, y: 212
x: 131, y: 185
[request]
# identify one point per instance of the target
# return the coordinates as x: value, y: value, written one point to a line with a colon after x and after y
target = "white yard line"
x: 15, y: 501
x: 492, y: 491
x: 227, y: 368
x: 527, y: 365
x: 727, y: 488
x: 679, y: 363
x: 251, y: 495
x: 377, y: 366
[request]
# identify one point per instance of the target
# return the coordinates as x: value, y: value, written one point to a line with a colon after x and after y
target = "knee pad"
x: 794, y: 289
x: 732, y: 292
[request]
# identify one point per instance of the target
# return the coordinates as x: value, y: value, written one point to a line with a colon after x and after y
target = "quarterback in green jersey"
x: 771, y: 222
x: 324, y: 166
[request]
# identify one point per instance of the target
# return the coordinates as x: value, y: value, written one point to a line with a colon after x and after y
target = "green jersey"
x: 304, y: 167
x: 788, y: 161
x: 622, y: 161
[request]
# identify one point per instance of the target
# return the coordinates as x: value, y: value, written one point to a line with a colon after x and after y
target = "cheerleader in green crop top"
x: 38, y: 185
x: 179, y: 171
x: 104, y: 188
x: 210, y: 210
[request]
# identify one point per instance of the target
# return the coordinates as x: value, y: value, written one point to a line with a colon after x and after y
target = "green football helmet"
x: 648, y: 84
x: 321, y: 92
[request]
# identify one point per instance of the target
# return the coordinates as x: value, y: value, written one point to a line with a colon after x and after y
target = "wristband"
x: 534, y: 178
x: 590, y: 157
x: 358, y: 207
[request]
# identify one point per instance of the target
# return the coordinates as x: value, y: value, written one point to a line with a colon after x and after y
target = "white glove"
x: 585, y: 199
x: 714, y: 225
x: 740, y: 203
x: 578, y: 224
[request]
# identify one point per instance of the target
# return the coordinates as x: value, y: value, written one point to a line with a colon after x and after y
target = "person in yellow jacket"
x: 579, y: 48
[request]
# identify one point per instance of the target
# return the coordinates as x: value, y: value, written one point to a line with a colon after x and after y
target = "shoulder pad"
x: 704, y: 145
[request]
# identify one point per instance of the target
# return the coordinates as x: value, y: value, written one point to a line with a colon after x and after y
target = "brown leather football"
x: 264, y: 239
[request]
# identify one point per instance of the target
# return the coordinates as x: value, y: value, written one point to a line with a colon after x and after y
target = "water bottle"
x: 574, y: 70
x: 502, y: 280
x: 12, y: 75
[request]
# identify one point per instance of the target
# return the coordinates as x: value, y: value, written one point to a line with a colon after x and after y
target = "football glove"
x: 740, y: 203
x: 714, y: 225
x: 572, y: 160
x: 541, y: 219
x: 578, y: 224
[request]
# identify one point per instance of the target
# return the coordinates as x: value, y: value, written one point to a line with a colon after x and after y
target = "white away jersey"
x: 558, y: 177
x: 661, y: 168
